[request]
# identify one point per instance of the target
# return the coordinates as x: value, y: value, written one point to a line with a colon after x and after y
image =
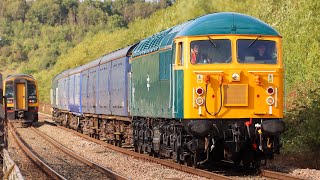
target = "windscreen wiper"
x: 211, y: 40
x: 254, y: 41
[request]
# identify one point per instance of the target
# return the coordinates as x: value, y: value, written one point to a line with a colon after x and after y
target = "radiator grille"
x: 235, y: 94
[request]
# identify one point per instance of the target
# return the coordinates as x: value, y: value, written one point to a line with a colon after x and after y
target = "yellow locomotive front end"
x: 228, y: 79
x: 232, y: 88
x: 21, y: 93
x: 233, y: 91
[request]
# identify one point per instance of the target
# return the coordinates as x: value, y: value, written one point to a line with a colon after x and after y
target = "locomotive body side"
x: 157, y: 88
x: 21, y: 91
x: 150, y: 92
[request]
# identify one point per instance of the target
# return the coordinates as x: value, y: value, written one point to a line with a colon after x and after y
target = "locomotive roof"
x: 227, y: 23
x: 161, y: 40
x: 217, y: 23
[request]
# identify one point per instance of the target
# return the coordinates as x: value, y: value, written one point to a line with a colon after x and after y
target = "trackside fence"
x: 10, y: 169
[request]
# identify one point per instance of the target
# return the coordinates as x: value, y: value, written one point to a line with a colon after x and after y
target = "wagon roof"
x: 108, y: 57
x: 63, y: 74
x: 117, y: 54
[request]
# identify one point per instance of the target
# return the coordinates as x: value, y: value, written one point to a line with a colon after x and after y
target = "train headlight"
x: 235, y: 77
x: 199, y: 91
x: 270, y: 100
x: 10, y: 101
x: 199, y: 101
x: 32, y: 101
x: 270, y: 90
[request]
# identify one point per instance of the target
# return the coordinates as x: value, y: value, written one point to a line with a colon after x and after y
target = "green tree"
x: 139, y: 9
x: 68, y: 8
x: 45, y: 12
x: 90, y: 13
x: 14, y: 10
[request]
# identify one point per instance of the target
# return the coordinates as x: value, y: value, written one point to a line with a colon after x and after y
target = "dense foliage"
x: 44, y: 40
x: 35, y: 33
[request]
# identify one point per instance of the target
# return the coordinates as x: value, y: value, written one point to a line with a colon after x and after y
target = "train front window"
x: 254, y: 51
x: 32, y: 91
x: 9, y: 91
x: 210, y: 51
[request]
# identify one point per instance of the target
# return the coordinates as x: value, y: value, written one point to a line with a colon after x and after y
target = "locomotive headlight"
x: 10, y: 101
x: 270, y: 100
x: 32, y: 101
x: 199, y: 101
x: 199, y: 91
x: 270, y: 90
x: 235, y: 77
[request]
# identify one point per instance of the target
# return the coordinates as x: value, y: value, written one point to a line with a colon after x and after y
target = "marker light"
x: 270, y: 90
x: 32, y: 101
x: 199, y: 101
x: 10, y: 101
x: 199, y: 91
x: 270, y: 100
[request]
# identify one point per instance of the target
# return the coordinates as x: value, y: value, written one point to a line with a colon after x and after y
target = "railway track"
x: 47, y: 154
x: 264, y: 173
x: 28, y: 169
x: 278, y: 175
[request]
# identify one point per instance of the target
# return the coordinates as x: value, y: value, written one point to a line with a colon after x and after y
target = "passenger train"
x: 226, y: 104
x: 21, y: 92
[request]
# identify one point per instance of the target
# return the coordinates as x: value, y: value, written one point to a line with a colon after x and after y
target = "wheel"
x: 156, y: 154
x: 140, y: 149
x: 178, y: 160
x: 120, y: 143
x: 150, y: 153
x: 135, y: 148
x: 195, y: 161
x: 188, y: 161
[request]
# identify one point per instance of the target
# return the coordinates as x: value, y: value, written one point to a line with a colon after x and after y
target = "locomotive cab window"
x: 180, y: 57
x: 9, y: 90
x: 210, y: 51
x: 253, y: 51
x: 32, y: 92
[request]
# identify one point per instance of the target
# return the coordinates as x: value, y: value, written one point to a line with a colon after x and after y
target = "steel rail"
x: 191, y: 170
x: 102, y: 169
x: 43, y: 166
x: 278, y: 175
